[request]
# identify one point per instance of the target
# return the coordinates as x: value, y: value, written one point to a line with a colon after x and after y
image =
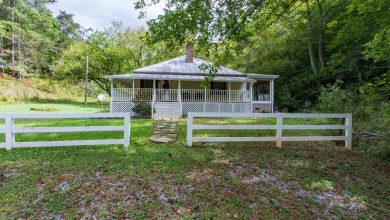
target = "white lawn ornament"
x: 102, y: 98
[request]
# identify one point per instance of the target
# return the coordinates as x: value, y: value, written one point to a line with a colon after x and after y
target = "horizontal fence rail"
x: 10, y: 130
x: 279, y: 127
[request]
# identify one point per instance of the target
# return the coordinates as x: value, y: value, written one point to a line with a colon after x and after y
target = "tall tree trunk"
x: 13, y: 37
x: 1, y: 53
x: 310, y: 41
x: 19, y: 47
x: 321, y: 35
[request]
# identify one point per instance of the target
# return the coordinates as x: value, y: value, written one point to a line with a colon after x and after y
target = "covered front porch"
x: 191, y: 96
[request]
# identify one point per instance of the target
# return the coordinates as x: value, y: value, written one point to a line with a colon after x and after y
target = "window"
x: 261, y: 91
x: 146, y: 83
x: 218, y: 85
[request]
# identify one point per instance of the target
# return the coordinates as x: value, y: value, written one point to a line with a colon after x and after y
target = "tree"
x: 31, y: 39
x: 68, y: 26
x: 113, y: 51
x: 308, y: 43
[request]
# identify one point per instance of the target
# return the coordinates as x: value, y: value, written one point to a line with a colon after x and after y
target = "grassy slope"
x: 231, y: 180
x: 34, y: 88
x: 55, y: 107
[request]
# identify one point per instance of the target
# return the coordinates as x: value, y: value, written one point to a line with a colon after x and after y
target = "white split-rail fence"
x: 10, y: 129
x: 279, y: 127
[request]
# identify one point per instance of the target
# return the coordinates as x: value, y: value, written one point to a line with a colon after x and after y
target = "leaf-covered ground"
x: 222, y: 181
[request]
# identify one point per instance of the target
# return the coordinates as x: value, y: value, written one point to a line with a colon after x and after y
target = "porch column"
x: 179, y: 96
x: 205, y: 98
x: 205, y: 94
x: 179, y: 90
x: 153, y: 97
x: 272, y: 94
x: 133, y: 90
x: 229, y: 88
x: 112, y: 94
x: 154, y: 89
x: 251, y: 95
x: 243, y: 94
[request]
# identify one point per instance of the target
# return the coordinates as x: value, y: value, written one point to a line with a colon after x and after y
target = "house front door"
x: 165, y: 86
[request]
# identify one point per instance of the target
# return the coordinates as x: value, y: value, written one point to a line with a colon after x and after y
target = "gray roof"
x: 179, y: 69
x: 181, y: 77
x: 179, y: 65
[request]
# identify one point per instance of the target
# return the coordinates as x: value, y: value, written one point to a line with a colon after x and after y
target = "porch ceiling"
x: 125, y: 77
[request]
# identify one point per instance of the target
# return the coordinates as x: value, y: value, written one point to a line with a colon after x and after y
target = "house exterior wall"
x: 174, y: 84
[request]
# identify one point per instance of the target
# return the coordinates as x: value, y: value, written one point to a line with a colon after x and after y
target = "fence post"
x: 348, y: 132
x: 9, y: 135
x: 126, y: 130
x: 189, y: 129
x: 279, y: 124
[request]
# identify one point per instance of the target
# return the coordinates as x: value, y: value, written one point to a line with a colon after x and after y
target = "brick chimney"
x: 189, y: 53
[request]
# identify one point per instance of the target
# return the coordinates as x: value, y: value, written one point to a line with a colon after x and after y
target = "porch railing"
x: 129, y: 94
x: 201, y: 95
x: 167, y: 95
x: 186, y: 95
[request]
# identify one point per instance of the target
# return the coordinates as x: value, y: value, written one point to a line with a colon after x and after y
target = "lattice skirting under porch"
x: 234, y: 107
x: 128, y: 107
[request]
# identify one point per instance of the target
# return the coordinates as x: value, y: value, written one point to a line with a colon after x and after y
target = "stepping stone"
x: 164, y: 132
x: 163, y: 139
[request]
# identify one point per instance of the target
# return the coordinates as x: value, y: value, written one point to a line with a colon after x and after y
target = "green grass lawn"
x: 222, y: 181
x: 41, y: 107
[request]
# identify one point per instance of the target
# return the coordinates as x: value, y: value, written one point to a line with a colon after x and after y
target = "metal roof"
x: 261, y: 76
x: 181, y: 77
x: 179, y: 65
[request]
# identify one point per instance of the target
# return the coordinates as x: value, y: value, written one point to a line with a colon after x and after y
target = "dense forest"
x: 331, y: 55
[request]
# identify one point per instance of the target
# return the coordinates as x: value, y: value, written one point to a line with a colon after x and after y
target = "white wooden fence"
x: 279, y: 127
x: 10, y: 129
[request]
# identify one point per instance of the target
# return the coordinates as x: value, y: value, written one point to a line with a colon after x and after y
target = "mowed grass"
x: 44, y: 107
x: 171, y: 181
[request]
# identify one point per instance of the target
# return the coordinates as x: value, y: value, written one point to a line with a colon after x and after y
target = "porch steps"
x: 167, y: 110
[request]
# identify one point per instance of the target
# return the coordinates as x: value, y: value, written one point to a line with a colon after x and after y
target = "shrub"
x: 370, y: 113
x: 142, y: 108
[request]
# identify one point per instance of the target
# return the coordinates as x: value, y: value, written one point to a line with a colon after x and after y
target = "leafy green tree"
x: 68, y: 26
x: 30, y: 37
x: 113, y: 51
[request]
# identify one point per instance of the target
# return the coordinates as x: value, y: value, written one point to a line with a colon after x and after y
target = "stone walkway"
x: 165, y: 131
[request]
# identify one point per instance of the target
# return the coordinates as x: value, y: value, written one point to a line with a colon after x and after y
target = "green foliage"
x: 34, y: 36
x: 211, y: 69
x: 142, y: 108
x: 323, y: 185
x: 371, y: 121
x: 272, y: 37
x: 44, y: 109
x: 113, y: 51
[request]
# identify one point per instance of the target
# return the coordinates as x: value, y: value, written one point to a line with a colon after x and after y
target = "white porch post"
x: 179, y: 96
x: 205, y: 98
x: 243, y: 91
x: 229, y: 90
x: 251, y: 95
x: 154, y: 88
x: 133, y: 89
x: 272, y: 94
x: 112, y: 94
x: 153, y: 97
